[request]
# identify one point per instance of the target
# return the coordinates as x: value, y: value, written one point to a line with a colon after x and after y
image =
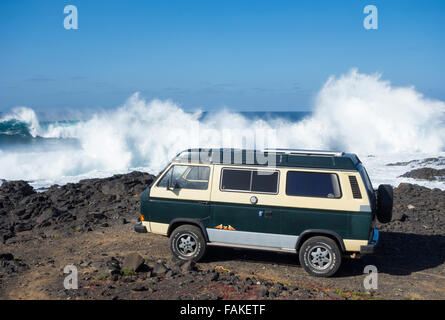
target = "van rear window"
x: 312, y: 184
x: 262, y: 181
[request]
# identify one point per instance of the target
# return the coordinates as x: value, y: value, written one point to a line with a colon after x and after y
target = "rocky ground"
x: 74, y: 207
x: 89, y: 225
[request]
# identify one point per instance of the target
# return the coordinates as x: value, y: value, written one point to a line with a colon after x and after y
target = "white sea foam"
x: 355, y: 112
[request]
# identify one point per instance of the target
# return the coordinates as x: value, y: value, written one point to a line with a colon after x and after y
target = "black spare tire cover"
x: 384, y: 203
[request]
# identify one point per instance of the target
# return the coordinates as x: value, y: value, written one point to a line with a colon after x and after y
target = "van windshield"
x: 187, y: 177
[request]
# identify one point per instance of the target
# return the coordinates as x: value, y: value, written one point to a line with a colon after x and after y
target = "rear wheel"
x: 187, y: 243
x: 320, y: 256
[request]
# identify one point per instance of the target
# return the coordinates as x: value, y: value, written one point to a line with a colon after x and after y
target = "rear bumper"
x: 372, y: 244
x: 138, y: 227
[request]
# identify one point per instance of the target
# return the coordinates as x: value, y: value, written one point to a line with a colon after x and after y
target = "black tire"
x: 384, y: 203
x: 192, y: 241
x: 313, y: 251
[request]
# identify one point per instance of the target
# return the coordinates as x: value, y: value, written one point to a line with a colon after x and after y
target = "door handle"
x: 204, y: 202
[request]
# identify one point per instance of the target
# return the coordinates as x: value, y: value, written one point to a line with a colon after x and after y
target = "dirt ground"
x: 400, y: 276
x: 90, y: 225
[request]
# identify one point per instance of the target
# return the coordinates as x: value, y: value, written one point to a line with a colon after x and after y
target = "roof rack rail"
x: 305, y: 152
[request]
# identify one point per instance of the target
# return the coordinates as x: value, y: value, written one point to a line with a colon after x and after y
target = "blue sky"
x: 245, y: 55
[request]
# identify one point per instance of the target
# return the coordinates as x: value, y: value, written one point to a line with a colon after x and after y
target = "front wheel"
x: 187, y: 243
x: 320, y: 256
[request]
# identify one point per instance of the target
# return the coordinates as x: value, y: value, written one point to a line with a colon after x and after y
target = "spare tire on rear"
x: 384, y: 203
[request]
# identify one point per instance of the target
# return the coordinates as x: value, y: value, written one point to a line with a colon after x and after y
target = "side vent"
x: 354, y: 186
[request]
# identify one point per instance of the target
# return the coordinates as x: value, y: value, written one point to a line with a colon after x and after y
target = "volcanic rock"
x: 426, y: 174
x: 133, y: 262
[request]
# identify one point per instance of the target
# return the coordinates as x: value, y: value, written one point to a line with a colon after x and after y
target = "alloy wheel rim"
x: 320, y: 257
x: 186, y: 244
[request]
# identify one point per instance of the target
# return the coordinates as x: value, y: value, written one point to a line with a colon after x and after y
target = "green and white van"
x: 318, y: 204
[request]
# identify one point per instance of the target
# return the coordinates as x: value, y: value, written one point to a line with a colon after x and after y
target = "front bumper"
x: 138, y: 227
x: 372, y: 244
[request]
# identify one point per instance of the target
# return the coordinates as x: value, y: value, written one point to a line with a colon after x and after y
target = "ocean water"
x: 355, y: 112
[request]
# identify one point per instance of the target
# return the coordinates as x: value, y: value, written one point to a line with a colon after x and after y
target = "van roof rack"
x: 305, y: 152
x: 279, y: 157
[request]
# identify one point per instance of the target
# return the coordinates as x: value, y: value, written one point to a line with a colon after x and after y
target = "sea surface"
x: 144, y: 136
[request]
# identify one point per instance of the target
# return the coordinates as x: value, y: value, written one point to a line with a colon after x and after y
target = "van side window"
x: 187, y: 177
x: 236, y: 179
x: 312, y: 184
x: 265, y: 181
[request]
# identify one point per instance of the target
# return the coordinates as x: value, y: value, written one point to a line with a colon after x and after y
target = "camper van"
x: 319, y: 205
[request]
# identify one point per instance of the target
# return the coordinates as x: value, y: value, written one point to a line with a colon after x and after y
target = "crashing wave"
x: 354, y: 112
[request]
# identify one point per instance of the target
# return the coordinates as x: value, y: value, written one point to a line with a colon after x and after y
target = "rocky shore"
x: 89, y: 224
x: 429, y: 174
x: 418, y: 210
x: 74, y: 207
